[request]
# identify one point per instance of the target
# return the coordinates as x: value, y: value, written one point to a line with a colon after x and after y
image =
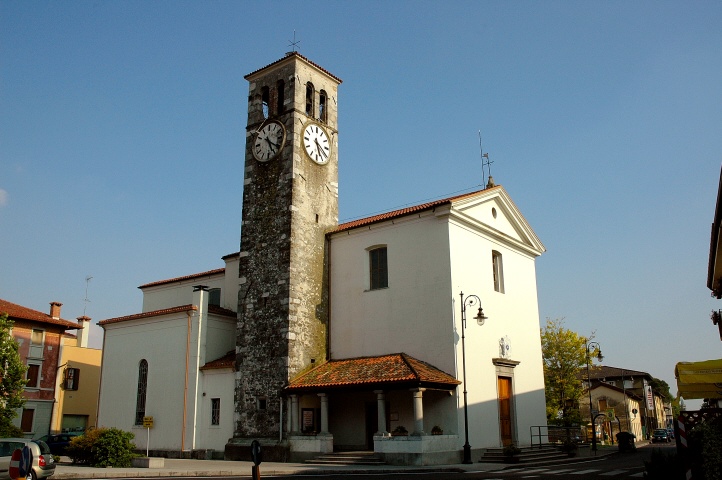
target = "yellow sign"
x: 147, y: 422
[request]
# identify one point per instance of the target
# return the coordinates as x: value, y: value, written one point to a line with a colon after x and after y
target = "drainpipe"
x: 185, y: 386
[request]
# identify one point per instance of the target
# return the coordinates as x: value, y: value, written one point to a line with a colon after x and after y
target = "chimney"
x: 55, y: 310
x: 83, y: 333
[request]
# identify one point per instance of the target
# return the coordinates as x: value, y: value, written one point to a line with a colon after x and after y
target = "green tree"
x: 12, y: 378
x: 564, y: 354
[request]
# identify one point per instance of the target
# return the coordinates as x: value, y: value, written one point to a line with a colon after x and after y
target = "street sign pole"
x: 148, y: 424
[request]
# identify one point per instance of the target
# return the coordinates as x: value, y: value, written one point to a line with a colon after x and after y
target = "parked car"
x: 43, y: 462
x: 57, y: 442
x: 660, y: 435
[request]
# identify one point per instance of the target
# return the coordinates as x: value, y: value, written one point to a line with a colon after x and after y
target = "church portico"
x: 354, y: 404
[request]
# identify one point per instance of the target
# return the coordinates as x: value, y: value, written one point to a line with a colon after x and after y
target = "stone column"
x: 324, y: 413
x: 418, y: 411
x: 295, y: 430
x: 381, y: 402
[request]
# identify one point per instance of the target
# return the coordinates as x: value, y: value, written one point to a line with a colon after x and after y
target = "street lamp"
x: 469, y: 301
x: 600, y: 357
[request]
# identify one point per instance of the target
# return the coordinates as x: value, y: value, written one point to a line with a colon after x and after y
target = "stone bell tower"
x: 290, y: 201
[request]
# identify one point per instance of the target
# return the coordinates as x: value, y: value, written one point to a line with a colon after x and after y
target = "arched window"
x: 280, y: 97
x: 309, y: 99
x: 498, y: 268
x: 322, y: 114
x: 142, y: 390
x: 265, y: 101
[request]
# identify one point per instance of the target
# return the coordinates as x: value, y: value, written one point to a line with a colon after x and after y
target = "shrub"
x: 705, y: 441
x: 113, y: 448
x: 102, y: 447
x: 80, y: 449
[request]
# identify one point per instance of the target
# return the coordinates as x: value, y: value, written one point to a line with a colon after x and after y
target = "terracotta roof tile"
x: 226, y: 361
x: 404, y: 211
x: 221, y: 311
x: 187, y: 277
x: 154, y: 313
x: 19, y: 312
x: 387, y: 370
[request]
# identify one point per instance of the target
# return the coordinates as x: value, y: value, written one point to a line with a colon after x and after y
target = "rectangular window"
x: 72, y: 378
x: 37, y: 337
x: 26, y: 421
x: 379, y: 268
x: 214, y: 297
x: 498, y: 270
x: 33, y: 376
x: 215, y: 411
x: 36, y: 344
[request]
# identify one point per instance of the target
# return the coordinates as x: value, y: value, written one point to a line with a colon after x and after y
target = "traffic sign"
x: 15, y: 463
x: 147, y: 422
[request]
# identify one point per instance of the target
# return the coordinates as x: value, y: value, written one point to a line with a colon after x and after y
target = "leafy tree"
x: 564, y: 353
x: 12, y: 379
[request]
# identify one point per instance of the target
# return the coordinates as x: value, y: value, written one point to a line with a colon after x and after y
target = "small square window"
x: 262, y: 403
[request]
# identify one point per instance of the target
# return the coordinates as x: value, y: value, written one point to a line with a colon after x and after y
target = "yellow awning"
x: 699, y: 379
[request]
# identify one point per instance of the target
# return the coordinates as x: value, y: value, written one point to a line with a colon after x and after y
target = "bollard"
x: 256, y: 457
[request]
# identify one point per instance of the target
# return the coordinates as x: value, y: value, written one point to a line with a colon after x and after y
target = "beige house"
x: 77, y: 384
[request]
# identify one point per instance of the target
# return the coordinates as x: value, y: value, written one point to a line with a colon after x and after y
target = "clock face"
x: 269, y: 141
x: 316, y: 143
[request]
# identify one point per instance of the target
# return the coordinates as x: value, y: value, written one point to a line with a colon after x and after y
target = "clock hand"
x: 320, y: 150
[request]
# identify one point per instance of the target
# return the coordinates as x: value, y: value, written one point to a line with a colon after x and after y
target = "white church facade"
x: 318, y: 337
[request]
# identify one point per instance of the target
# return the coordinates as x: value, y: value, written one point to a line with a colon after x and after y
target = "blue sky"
x: 122, y: 139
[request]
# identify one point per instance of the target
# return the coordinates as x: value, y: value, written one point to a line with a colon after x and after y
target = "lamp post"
x: 469, y: 301
x: 600, y: 357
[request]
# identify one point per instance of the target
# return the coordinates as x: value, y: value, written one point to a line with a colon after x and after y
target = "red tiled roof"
x: 226, y: 361
x: 154, y: 313
x: 404, y: 211
x: 397, y: 370
x: 221, y: 311
x: 187, y: 277
x: 19, y: 312
x: 296, y: 54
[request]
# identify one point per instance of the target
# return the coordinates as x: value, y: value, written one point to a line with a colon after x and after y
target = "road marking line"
x: 584, y: 472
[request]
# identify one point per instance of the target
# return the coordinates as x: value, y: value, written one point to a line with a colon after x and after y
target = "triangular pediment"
x: 493, y: 212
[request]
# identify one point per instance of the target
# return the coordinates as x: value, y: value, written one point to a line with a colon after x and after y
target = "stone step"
x: 347, y: 458
x: 528, y: 454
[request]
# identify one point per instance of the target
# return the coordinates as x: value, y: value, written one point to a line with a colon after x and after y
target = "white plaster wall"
x: 179, y: 293
x: 220, y: 337
x: 161, y: 341
x: 512, y: 314
x: 229, y: 290
x: 413, y: 314
x: 432, y: 257
x: 216, y: 384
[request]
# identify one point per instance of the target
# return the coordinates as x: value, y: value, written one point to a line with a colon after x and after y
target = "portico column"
x: 381, y: 402
x: 294, y: 415
x: 418, y: 411
x: 324, y: 413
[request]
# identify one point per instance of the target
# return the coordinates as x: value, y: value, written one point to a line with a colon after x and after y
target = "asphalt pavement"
x: 173, y: 467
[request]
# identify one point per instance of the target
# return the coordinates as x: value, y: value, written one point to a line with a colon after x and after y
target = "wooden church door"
x: 505, y: 411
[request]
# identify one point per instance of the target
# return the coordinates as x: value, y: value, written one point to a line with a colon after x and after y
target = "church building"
x: 318, y: 336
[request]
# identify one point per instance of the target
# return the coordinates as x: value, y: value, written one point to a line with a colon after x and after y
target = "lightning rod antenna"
x: 87, y: 282
x: 481, y: 155
x: 490, y: 182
